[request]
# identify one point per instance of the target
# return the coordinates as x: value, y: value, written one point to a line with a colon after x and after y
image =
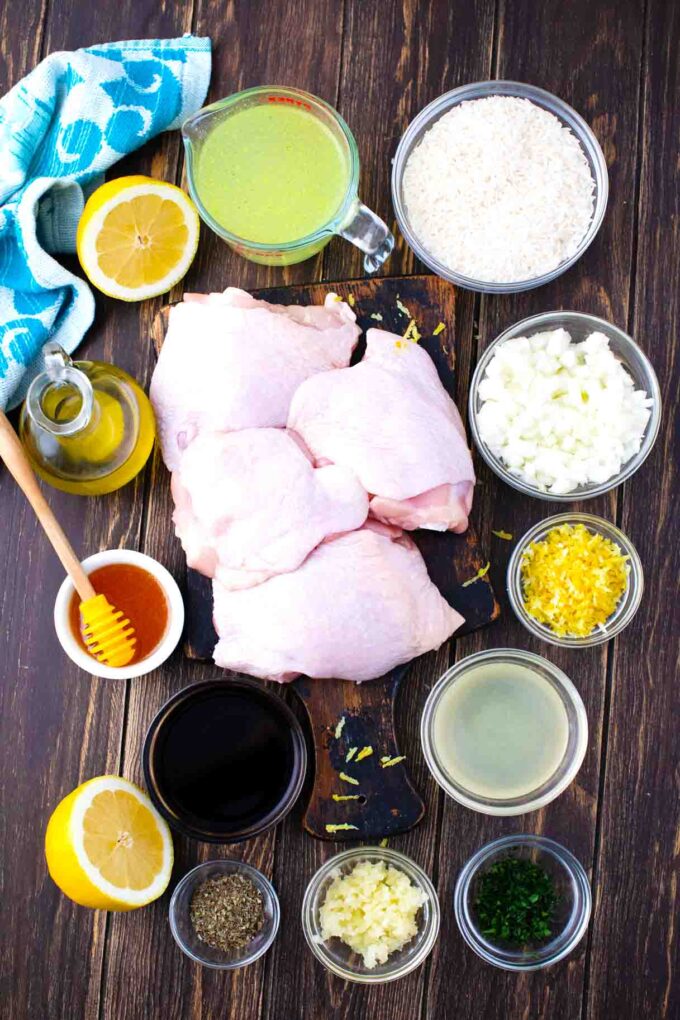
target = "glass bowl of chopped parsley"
x: 522, y: 902
x: 224, y: 914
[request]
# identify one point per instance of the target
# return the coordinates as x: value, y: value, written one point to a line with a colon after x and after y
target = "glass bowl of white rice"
x: 542, y: 441
x: 370, y: 919
x: 499, y: 186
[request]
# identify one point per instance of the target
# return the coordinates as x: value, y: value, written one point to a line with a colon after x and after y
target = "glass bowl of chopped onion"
x: 575, y: 580
x: 451, y: 202
x: 522, y: 902
x: 224, y: 914
x: 370, y: 883
x: 564, y: 406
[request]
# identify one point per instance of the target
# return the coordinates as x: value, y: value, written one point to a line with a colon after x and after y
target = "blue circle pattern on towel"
x: 61, y: 127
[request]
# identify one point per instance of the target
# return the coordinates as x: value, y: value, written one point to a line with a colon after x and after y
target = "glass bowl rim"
x: 233, y: 865
x: 341, y: 212
x: 485, y: 949
x: 537, y: 322
x: 635, y: 587
x: 584, y: 134
x: 273, y: 818
x: 516, y: 805
x: 428, y: 936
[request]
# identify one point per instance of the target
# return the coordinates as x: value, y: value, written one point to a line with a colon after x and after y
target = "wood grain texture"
x: 58, y: 726
x: 254, y: 43
x: 598, y: 77
x: 388, y: 803
x: 635, y: 949
x: 387, y: 45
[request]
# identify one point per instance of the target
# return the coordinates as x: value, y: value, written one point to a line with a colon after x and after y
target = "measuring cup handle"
x: 367, y: 232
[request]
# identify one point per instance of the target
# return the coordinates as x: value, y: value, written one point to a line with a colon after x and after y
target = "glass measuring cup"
x: 351, y: 219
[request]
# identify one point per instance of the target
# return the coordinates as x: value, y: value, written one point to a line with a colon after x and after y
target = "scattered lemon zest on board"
x: 348, y: 779
x: 383, y: 842
x: 336, y: 297
x: 346, y: 796
x: 573, y: 580
x: 342, y: 827
x: 412, y: 333
x: 377, y: 316
x: 351, y: 301
x: 482, y: 572
x: 439, y: 328
x: 364, y: 753
x: 350, y: 754
x: 386, y: 763
x: 385, y: 757
x: 505, y: 535
x: 402, y: 308
x: 339, y: 728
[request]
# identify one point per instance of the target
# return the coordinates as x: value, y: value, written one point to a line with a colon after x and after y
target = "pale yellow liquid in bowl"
x: 500, y: 731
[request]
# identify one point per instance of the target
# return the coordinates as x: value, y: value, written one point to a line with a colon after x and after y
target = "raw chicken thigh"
x: 250, y: 504
x: 359, y: 605
x: 391, y: 421
x: 231, y: 362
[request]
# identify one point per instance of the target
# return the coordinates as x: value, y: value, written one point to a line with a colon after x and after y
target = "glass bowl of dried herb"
x: 522, y: 902
x: 224, y: 914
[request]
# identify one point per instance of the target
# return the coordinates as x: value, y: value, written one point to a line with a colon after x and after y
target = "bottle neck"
x: 60, y: 400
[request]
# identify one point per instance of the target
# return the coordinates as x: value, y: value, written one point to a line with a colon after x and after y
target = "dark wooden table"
x: 378, y: 62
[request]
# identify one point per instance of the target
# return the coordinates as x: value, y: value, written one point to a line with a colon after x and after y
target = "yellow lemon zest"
x: 573, y: 580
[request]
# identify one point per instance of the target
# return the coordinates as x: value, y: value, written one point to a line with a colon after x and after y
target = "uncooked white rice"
x: 499, y: 190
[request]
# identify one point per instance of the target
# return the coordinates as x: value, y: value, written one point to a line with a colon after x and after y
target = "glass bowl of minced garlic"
x: 370, y: 915
x: 575, y: 580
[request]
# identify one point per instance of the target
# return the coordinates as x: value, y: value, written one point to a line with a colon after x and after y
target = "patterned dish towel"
x: 60, y: 128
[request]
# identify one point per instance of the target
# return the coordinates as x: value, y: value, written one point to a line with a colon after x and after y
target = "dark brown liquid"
x: 224, y: 758
x: 139, y: 597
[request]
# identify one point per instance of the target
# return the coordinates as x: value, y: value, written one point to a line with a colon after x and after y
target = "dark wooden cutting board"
x: 388, y: 802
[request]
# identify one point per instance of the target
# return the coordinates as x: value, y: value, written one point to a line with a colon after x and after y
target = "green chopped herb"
x: 343, y: 827
x: 480, y: 573
x: 516, y: 902
x: 377, y: 316
x: 364, y: 753
x: 505, y: 535
x: 350, y: 754
x: 386, y: 763
x: 383, y: 842
x: 348, y: 779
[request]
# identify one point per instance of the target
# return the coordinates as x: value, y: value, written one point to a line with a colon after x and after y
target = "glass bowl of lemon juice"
x: 504, y: 731
x: 275, y: 172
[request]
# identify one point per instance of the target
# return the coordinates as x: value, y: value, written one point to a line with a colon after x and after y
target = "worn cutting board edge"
x: 388, y: 802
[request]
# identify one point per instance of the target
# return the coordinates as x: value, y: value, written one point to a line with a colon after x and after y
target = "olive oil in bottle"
x: 87, y: 427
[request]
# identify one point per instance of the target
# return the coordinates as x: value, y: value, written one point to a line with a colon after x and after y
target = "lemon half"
x: 137, y: 237
x: 107, y: 847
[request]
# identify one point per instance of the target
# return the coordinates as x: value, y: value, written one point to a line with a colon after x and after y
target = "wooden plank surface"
x: 635, y: 949
x: 379, y: 61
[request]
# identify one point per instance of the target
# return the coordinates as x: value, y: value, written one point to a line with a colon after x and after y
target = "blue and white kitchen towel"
x: 60, y: 128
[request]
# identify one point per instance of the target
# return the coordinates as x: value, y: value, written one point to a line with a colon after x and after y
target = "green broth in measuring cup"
x: 275, y: 172
x: 272, y: 173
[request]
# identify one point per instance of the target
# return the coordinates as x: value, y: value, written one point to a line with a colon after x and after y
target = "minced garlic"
x: 372, y: 909
x: 573, y: 580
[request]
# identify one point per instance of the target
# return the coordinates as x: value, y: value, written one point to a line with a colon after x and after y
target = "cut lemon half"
x: 107, y: 846
x: 137, y: 237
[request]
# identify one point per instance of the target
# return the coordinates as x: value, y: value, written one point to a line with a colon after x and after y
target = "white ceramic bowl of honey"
x: 159, y: 625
